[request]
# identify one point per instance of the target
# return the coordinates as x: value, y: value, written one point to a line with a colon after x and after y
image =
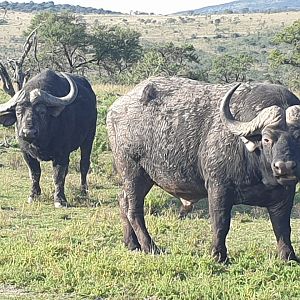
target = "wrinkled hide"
x: 55, y: 114
x: 170, y: 132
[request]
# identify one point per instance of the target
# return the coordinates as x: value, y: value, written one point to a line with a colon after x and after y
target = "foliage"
x: 115, y: 49
x: 3, y: 22
x: 228, y: 68
x: 50, y: 6
x: 165, y: 60
x: 63, y: 41
x: 246, y: 6
x: 291, y: 36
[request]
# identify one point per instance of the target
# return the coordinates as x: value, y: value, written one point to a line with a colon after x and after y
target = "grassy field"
x: 201, y: 31
x: 77, y: 253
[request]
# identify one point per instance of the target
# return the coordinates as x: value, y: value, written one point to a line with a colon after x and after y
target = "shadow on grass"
x: 201, y: 209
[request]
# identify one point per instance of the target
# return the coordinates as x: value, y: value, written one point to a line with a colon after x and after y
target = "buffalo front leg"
x: 35, y: 175
x: 60, y: 172
x: 280, y: 214
x: 220, y: 205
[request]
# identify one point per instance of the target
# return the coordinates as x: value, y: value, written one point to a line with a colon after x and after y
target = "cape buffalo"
x: 54, y: 114
x: 183, y: 136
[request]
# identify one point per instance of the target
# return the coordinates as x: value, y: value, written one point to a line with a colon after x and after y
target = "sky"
x: 155, y: 6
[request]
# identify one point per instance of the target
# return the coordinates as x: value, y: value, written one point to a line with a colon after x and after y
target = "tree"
x: 115, y: 49
x: 228, y: 68
x: 63, y: 41
x: 177, y: 58
x: 165, y: 60
x: 13, y: 82
x: 285, y: 59
x: 289, y: 36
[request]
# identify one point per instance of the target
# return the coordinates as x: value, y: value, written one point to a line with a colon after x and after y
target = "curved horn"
x: 50, y: 100
x: 270, y: 116
x: 293, y: 115
x: 10, y: 104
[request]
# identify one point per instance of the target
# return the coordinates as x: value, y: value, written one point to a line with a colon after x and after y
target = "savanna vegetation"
x: 77, y: 253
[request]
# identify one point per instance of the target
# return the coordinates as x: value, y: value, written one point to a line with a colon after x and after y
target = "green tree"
x: 115, y: 49
x: 228, y: 68
x: 166, y: 60
x: 63, y: 42
x: 177, y: 58
x: 151, y: 64
x: 289, y: 55
x: 285, y: 59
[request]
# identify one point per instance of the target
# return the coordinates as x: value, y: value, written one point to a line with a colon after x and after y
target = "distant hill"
x: 245, y: 6
x: 50, y: 6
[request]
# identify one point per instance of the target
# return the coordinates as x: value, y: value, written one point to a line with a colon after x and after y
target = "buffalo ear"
x: 251, y: 143
x: 56, y: 111
x: 8, y: 118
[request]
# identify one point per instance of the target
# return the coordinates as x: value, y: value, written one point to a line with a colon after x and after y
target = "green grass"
x: 77, y: 253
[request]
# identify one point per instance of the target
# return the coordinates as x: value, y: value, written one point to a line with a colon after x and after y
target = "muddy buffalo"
x: 231, y: 144
x: 55, y: 114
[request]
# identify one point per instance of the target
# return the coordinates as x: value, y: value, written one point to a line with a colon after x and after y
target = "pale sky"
x: 155, y: 6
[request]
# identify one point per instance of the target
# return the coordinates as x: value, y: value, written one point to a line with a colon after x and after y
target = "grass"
x: 77, y: 253
x: 200, y: 31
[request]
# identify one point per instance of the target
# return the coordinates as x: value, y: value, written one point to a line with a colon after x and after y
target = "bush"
x: 101, y: 144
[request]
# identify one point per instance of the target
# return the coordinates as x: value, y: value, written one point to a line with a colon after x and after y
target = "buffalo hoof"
x: 289, y: 257
x: 220, y: 257
x: 60, y: 204
x: 132, y: 244
x: 32, y: 199
x: 153, y: 249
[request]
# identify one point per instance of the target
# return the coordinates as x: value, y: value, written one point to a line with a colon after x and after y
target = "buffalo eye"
x: 18, y: 112
x: 296, y: 134
x: 267, y: 141
x: 41, y: 111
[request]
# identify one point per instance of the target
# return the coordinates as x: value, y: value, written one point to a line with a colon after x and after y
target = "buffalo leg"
x: 185, y: 209
x: 35, y: 175
x: 60, y: 172
x: 130, y: 238
x: 280, y: 214
x: 85, y: 150
x: 136, y: 188
x: 220, y: 205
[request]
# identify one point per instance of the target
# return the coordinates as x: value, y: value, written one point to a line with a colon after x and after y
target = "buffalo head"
x: 31, y: 110
x: 274, y: 134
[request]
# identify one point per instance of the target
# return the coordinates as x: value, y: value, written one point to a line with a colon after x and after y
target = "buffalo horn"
x: 270, y: 116
x: 50, y: 100
x: 10, y: 104
x: 293, y: 115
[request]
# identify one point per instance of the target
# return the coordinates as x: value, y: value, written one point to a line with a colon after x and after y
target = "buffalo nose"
x: 29, y: 133
x: 284, y: 168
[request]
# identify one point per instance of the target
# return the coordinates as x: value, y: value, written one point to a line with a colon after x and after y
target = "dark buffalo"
x: 180, y: 135
x: 54, y: 114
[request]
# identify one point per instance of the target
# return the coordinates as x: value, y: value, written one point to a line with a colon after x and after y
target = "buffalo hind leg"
x: 60, y: 172
x: 220, y: 205
x: 85, y: 151
x: 185, y: 209
x: 280, y: 214
x: 35, y: 175
x: 130, y: 238
x: 136, y: 187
